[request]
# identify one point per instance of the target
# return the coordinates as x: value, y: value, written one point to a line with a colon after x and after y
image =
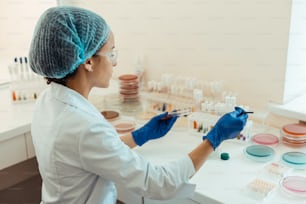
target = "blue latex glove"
x: 227, y: 127
x: 157, y: 127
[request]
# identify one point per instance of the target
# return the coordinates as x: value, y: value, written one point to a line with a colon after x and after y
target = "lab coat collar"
x: 72, y: 98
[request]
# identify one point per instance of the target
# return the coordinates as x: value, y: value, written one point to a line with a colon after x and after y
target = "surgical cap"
x: 64, y: 38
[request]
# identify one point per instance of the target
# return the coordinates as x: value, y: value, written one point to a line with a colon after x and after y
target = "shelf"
x: 295, y: 109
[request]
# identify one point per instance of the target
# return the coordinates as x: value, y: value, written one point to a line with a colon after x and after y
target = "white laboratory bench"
x: 218, y: 181
x: 15, y: 138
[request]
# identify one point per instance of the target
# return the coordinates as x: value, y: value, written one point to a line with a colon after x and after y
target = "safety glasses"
x: 113, y: 55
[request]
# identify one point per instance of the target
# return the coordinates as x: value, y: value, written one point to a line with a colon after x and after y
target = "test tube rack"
x: 160, y: 102
x: 205, y: 96
x: 25, y: 85
x: 200, y: 123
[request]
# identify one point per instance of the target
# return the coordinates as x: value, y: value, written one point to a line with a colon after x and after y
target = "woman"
x: 79, y: 153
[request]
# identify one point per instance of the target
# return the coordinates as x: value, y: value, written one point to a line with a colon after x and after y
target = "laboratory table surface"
x: 222, y: 180
x: 15, y: 118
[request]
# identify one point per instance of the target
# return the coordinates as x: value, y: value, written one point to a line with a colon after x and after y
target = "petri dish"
x: 130, y: 98
x: 128, y: 86
x: 294, y: 186
x: 296, y: 160
x: 110, y: 115
x: 259, y: 153
x: 128, y: 77
x: 265, y: 139
x: 295, y: 129
x: 294, y: 138
x: 128, y: 91
x: 293, y: 135
x: 293, y: 141
x: 124, y: 126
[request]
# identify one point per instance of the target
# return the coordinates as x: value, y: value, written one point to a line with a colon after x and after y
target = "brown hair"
x: 61, y: 81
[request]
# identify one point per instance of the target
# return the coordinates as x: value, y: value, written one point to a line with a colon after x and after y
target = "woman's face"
x: 103, y: 62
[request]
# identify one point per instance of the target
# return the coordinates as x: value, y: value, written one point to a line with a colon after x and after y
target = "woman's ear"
x: 88, y: 65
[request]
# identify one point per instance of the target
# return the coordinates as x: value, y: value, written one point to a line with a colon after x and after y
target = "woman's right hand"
x: 227, y: 127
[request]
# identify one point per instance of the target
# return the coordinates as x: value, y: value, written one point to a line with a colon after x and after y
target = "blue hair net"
x: 64, y: 38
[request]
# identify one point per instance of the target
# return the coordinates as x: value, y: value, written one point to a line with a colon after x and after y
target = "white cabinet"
x: 128, y: 197
x: 29, y: 145
x: 173, y: 201
x: 16, y: 149
x: 12, y: 151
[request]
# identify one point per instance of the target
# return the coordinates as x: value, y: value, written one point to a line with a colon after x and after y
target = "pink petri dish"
x: 293, y: 141
x: 294, y: 135
x: 129, y: 87
x: 128, y: 91
x: 294, y: 186
x: 124, y: 126
x: 293, y: 144
x: 265, y: 139
x: 128, y: 77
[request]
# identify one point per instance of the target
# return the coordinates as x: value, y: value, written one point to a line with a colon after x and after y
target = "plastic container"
x: 295, y: 160
x: 265, y: 139
x: 259, y: 153
x: 294, y: 186
x: 260, y: 189
x: 275, y: 171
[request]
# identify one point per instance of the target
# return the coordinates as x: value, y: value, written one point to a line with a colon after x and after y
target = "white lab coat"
x: 81, y: 156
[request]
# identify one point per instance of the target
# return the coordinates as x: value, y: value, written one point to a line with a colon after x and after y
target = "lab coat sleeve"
x: 103, y: 153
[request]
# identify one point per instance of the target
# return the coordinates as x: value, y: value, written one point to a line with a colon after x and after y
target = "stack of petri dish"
x: 129, y: 87
x: 294, y: 135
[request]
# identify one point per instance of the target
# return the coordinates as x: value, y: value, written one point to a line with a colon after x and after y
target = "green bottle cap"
x: 225, y: 156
